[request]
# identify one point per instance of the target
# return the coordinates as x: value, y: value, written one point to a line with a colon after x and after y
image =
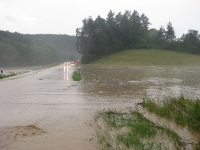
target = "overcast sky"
x: 64, y: 16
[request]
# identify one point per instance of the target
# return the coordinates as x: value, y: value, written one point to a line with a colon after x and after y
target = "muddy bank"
x: 189, y: 137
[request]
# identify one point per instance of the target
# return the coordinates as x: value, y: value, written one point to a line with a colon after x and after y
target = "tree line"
x: 24, y: 49
x: 100, y: 37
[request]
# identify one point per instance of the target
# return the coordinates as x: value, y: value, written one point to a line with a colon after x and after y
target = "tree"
x: 152, y: 35
x: 100, y: 25
x: 135, y: 22
x: 145, y: 21
x: 100, y: 38
x: 18, y: 49
x: 170, y: 34
x: 118, y: 19
x: 191, y: 41
x: 8, y: 55
x: 110, y: 20
x: 160, y: 38
x: 125, y: 29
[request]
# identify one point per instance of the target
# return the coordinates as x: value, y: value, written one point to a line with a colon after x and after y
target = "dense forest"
x: 100, y: 37
x: 24, y: 50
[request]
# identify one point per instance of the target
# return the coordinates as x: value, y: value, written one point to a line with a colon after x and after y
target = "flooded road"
x: 45, y: 109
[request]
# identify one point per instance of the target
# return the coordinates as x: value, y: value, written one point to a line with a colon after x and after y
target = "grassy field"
x: 149, y: 57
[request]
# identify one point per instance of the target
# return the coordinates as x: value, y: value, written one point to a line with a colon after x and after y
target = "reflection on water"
x: 66, y: 73
x: 67, y: 68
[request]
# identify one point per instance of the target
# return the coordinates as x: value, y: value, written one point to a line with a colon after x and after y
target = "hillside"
x: 149, y: 57
x: 104, y: 36
x: 24, y: 49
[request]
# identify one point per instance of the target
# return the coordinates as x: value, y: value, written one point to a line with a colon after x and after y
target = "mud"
x: 47, y: 110
x: 10, y: 134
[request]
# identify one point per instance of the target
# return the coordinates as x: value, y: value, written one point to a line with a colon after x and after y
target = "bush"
x: 88, y: 58
x: 76, y: 76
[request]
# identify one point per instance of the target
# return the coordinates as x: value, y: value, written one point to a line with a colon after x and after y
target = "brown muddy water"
x: 45, y: 109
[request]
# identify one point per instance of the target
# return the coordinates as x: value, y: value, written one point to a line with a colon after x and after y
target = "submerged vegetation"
x: 115, y: 130
x: 7, y: 76
x: 181, y: 110
x: 76, y: 76
x: 118, y: 130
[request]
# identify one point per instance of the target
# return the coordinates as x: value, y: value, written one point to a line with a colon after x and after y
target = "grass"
x: 183, y: 111
x: 76, y: 76
x: 7, y: 76
x: 150, y: 57
x: 115, y: 130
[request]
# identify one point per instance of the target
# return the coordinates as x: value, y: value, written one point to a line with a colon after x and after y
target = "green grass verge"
x: 183, y: 111
x: 76, y: 76
x: 150, y: 57
x: 116, y: 130
x: 7, y: 76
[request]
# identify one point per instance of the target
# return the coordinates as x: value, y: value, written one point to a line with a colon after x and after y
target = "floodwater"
x: 21, y: 70
x: 44, y: 109
x: 135, y: 83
